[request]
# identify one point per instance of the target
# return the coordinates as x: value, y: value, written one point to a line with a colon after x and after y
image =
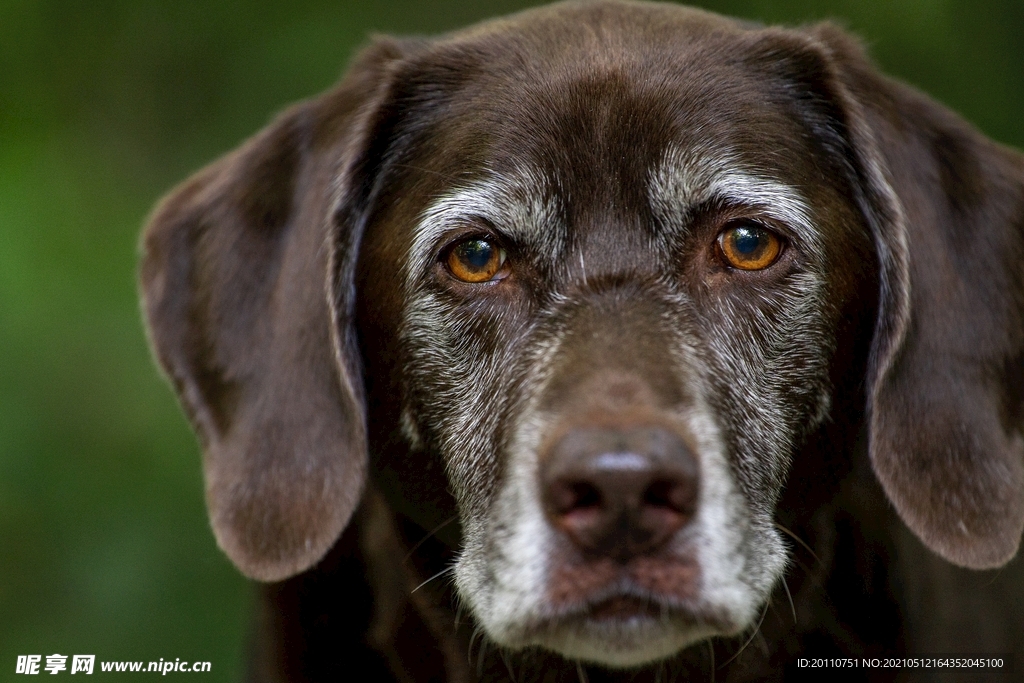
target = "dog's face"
x: 616, y: 318
x: 607, y: 266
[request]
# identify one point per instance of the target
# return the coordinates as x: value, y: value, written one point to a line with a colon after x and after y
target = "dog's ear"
x: 243, y: 280
x: 946, y: 381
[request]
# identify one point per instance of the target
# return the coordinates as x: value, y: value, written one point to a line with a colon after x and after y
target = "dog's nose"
x: 619, y: 493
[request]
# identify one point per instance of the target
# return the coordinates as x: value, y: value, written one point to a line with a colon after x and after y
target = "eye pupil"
x: 476, y: 254
x: 747, y: 241
x: 748, y: 246
x: 476, y: 260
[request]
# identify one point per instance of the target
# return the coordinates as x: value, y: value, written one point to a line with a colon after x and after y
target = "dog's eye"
x: 748, y: 246
x: 476, y: 260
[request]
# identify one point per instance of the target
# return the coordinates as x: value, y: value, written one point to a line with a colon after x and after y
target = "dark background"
x: 104, y: 105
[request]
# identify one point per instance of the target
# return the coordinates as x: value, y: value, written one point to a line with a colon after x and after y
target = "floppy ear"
x: 255, y: 335
x: 946, y: 383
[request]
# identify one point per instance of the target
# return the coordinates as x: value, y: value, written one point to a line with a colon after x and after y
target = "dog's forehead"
x: 596, y: 106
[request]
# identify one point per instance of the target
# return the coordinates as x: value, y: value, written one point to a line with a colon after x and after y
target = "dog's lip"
x: 624, y: 608
x: 627, y: 603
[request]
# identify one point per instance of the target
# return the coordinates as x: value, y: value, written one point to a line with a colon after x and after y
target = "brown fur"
x: 271, y: 283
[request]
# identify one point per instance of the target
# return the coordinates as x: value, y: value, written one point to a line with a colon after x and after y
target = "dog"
x: 609, y: 340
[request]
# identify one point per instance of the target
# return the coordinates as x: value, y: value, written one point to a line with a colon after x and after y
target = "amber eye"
x: 476, y: 260
x: 748, y: 246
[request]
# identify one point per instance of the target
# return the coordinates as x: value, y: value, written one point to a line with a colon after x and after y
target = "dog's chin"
x: 625, y: 633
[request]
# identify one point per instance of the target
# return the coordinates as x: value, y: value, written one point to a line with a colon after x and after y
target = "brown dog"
x: 560, y: 329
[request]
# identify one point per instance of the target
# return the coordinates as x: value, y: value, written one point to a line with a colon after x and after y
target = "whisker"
x: 757, y: 629
x: 581, y: 673
x: 480, y: 657
x: 474, y: 637
x: 814, y: 578
x: 800, y: 541
x: 446, y: 570
x: 508, y: 666
x: 458, y: 615
x: 997, y: 574
x: 428, y: 536
x: 789, y: 595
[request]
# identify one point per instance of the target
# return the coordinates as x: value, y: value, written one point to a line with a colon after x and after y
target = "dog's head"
x: 602, y: 269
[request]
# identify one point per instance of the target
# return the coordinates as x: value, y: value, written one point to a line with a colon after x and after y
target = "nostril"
x: 579, y: 509
x: 586, y: 496
x: 672, y: 495
x: 569, y: 496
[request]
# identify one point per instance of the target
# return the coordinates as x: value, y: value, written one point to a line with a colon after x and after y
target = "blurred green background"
x: 104, y: 105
